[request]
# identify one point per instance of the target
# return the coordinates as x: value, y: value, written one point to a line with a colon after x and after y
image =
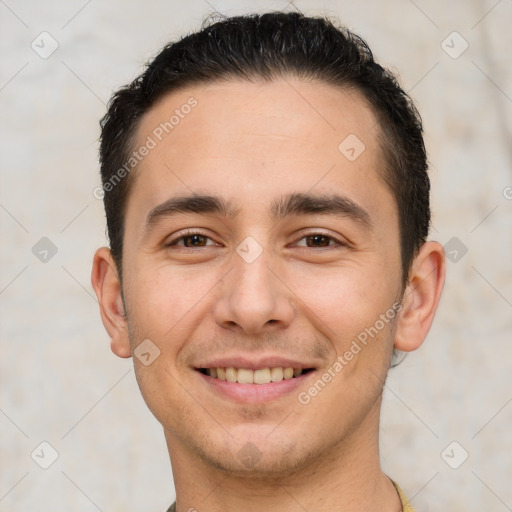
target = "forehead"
x: 257, y: 136
x: 285, y: 107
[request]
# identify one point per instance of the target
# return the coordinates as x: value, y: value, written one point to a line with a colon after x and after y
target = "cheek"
x: 343, y: 301
x: 165, y: 306
x: 163, y: 297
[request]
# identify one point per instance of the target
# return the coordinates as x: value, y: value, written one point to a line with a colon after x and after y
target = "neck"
x: 345, y: 478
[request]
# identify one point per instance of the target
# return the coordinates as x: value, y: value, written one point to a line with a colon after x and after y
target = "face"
x: 256, y: 248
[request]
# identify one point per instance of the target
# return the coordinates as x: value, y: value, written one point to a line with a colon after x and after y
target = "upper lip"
x: 254, y: 363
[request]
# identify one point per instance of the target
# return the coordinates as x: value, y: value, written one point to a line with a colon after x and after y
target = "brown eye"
x: 194, y: 240
x: 318, y: 240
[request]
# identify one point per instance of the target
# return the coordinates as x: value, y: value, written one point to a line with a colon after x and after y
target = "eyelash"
x: 188, y: 234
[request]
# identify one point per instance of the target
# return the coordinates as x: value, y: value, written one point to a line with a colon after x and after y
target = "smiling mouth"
x: 260, y: 376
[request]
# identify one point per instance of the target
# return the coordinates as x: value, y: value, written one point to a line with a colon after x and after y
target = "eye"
x: 191, y: 240
x: 320, y: 240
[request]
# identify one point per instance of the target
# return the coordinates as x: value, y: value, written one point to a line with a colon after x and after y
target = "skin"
x: 303, y: 298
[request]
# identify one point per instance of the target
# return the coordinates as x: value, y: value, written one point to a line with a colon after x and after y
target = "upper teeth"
x: 247, y: 376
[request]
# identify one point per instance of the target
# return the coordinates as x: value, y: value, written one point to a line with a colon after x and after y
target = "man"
x: 267, y: 206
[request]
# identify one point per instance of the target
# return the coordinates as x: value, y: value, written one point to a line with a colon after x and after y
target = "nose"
x: 254, y: 299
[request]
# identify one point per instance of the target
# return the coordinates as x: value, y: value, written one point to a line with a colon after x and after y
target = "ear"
x: 106, y: 284
x: 421, y: 297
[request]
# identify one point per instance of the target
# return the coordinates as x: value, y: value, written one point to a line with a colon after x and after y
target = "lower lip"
x: 254, y: 393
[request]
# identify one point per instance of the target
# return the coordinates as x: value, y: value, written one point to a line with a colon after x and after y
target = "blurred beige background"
x: 446, y: 425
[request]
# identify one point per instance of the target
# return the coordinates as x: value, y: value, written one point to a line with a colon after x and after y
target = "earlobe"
x: 421, y: 297
x: 106, y: 284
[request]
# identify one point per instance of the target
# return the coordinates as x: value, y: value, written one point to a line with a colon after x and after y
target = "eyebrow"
x: 202, y: 204
x: 290, y: 204
x: 311, y: 204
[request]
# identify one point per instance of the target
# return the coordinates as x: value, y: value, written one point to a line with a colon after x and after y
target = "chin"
x: 249, y: 458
